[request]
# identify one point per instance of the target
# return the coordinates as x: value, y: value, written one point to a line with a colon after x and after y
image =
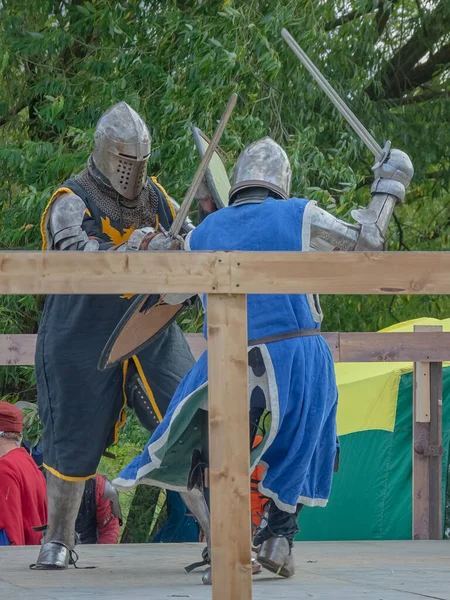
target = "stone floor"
x: 334, y: 570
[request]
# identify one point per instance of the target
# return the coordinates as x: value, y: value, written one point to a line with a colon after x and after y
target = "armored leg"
x: 275, y: 537
x: 64, y: 499
x: 196, y: 503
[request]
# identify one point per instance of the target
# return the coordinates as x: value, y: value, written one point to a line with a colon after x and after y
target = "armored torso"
x: 140, y: 212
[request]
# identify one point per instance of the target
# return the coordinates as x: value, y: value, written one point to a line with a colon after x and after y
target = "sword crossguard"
x: 384, y: 156
x: 167, y: 234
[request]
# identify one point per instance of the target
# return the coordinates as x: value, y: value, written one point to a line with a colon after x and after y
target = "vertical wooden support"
x: 436, y: 451
x: 229, y: 447
x: 427, y: 447
x: 421, y: 440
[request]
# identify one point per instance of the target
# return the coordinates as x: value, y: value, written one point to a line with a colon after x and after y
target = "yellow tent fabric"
x: 368, y: 391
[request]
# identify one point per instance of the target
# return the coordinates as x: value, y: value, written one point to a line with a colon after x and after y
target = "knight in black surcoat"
x: 112, y: 206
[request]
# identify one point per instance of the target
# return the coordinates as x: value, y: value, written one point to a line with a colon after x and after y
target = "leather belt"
x: 278, y: 337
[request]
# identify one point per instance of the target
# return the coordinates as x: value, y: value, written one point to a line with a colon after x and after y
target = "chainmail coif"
x: 139, y: 212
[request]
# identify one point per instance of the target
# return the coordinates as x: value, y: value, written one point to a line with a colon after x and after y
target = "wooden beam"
x: 393, y: 347
x: 436, y: 451
x: 18, y: 349
x: 340, y: 272
x: 427, y: 445
x: 197, y: 344
x: 113, y: 272
x: 222, y: 272
x: 420, y: 472
x: 422, y: 391
x: 229, y: 447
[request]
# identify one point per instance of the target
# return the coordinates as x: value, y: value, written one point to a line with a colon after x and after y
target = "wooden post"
x: 229, y: 447
x: 427, y: 447
x: 436, y: 451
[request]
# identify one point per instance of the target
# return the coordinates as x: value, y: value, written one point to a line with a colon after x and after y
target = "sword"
x: 186, y: 204
x: 368, y: 139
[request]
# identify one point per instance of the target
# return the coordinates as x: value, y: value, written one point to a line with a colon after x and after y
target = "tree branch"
x: 347, y: 18
x: 391, y: 308
x: 13, y: 112
x: 397, y: 72
x: 382, y: 16
x: 419, y: 98
x: 401, y: 243
x: 426, y: 71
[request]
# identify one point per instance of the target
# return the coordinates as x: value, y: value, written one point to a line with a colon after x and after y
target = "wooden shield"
x: 216, y: 175
x: 144, y: 321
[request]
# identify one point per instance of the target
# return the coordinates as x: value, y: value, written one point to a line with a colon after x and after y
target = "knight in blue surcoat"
x: 292, y: 389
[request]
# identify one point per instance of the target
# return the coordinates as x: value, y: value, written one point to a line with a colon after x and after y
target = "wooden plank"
x: 420, y: 474
x: 229, y: 447
x: 427, y: 437
x: 394, y: 347
x: 333, y: 341
x: 435, y: 495
x: 422, y: 395
x: 197, y: 344
x: 113, y: 272
x: 221, y: 272
x: 340, y: 272
x: 344, y: 570
x: 18, y: 349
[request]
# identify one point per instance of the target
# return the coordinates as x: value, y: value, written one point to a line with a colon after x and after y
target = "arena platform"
x: 334, y: 570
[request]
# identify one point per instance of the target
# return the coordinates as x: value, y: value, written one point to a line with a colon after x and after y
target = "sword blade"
x: 345, y: 111
x: 199, y: 174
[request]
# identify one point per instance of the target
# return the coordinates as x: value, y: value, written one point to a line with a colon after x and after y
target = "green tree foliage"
x: 64, y: 61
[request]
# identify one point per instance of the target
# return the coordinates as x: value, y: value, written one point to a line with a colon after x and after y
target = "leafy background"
x: 63, y: 62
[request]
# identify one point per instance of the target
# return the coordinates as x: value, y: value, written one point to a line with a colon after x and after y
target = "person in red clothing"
x: 23, y: 499
x: 99, y: 518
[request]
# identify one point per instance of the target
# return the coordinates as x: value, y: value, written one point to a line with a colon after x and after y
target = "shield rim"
x: 198, y: 136
x: 103, y: 364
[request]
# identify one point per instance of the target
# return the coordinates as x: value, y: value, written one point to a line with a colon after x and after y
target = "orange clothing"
x: 257, y: 499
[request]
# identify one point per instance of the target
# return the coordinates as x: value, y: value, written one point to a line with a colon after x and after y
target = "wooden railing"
x: 227, y: 278
x: 19, y: 349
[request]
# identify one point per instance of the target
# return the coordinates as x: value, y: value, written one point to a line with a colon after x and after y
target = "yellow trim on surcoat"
x: 166, y: 196
x: 58, y: 192
x: 147, y: 387
x: 123, y: 415
x: 66, y: 477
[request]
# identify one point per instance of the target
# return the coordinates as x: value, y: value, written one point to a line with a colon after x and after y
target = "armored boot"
x: 207, y: 574
x: 197, y: 505
x: 199, y: 508
x: 274, y: 539
x: 64, y: 499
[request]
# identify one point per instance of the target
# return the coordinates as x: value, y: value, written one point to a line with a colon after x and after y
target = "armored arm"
x: 64, y: 225
x: 69, y: 228
x: 148, y: 238
x: 392, y: 176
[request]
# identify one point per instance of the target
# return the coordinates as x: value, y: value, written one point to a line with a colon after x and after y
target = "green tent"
x: 371, y: 498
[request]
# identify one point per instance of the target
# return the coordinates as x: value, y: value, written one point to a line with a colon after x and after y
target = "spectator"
x: 23, y: 503
x: 99, y: 518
